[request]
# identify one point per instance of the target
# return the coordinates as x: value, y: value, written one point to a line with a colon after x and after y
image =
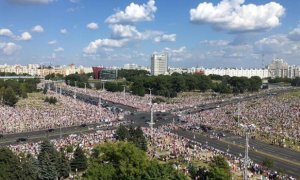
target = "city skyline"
x: 218, y: 33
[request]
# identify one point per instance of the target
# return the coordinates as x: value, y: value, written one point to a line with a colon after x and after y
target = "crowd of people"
x: 67, y: 112
x: 275, y: 118
x: 85, y: 141
x: 143, y: 103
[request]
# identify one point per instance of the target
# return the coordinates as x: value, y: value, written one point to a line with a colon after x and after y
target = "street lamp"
x: 151, y: 109
x: 124, y: 91
x: 247, y: 129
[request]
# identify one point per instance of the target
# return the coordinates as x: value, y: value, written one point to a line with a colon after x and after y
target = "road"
x: 283, y: 158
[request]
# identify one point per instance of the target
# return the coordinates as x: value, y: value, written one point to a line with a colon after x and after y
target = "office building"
x: 159, y: 64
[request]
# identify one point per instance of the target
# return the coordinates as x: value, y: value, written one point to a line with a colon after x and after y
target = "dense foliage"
x: 128, y: 74
x: 134, y: 135
x: 169, y: 86
x: 12, y: 90
x: 51, y: 100
x: 54, y: 77
x: 296, y: 82
x: 122, y: 160
x: 80, y: 80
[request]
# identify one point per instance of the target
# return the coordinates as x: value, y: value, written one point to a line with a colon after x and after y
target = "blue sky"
x: 218, y: 33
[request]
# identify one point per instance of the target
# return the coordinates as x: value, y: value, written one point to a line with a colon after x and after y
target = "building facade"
x: 159, y: 64
x: 280, y: 68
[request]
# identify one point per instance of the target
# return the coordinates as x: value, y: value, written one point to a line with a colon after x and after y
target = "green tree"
x: 63, y: 165
x: 122, y: 161
x: 30, y: 167
x: 10, y: 167
x: 219, y: 169
x: 79, y: 161
x: 136, y: 136
x: 255, y: 83
x: 47, y: 169
x: 9, y: 97
x: 138, y: 88
x: 48, y: 156
x: 155, y: 170
x: 122, y: 133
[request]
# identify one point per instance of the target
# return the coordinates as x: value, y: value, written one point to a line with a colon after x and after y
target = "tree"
x: 155, y: 170
x: 255, y: 83
x: 48, y: 156
x: 63, y: 165
x: 10, y: 167
x: 138, y: 88
x: 122, y: 133
x: 9, y: 97
x: 121, y: 161
x: 47, y: 169
x: 219, y: 169
x: 30, y: 167
x: 137, y: 137
x: 296, y: 82
x: 79, y: 162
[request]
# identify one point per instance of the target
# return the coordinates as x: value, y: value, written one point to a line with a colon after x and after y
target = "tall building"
x: 159, y: 64
x: 280, y: 68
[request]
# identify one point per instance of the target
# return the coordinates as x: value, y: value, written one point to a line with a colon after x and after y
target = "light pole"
x: 103, y: 86
x: 247, y: 129
x: 151, y: 109
x: 75, y: 94
x: 99, y: 104
x: 124, y: 91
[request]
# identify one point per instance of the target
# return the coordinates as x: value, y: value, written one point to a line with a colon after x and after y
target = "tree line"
x: 12, y: 90
x: 170, y: 86
x: 139, y: 82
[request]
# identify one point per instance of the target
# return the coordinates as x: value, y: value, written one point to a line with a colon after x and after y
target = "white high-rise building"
x: 159, y: 64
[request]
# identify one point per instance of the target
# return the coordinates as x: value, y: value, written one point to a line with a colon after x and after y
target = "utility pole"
x: 151, y: 109
x: 99, y: 104
x: 124, y: 91
x: 103, y: 86
x: 246, y: 158
x: 75, y: 94
x: 239, y: 112
x: 56, y: 87
x: 60, y: 91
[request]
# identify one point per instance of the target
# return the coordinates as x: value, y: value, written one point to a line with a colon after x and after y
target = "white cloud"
x: 215, y: 42
x: 8, y: 48
x: 31, y: 1
x: 38, y: 29
x: 294, y: 35
x: 64, y: 31
x: 95, y: 45
x: 52, y: 42
x: 178, y: 54
x: 6, y: 32
x: 92, y: 26
x: 25, y: 36
x: 125, y: 31
x: 235, y: 16
x: 165, y: 37
x: 59, y: 49
x: 134, y: 13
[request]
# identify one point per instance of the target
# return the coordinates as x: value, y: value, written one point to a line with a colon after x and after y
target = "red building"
x: 96, y: 72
